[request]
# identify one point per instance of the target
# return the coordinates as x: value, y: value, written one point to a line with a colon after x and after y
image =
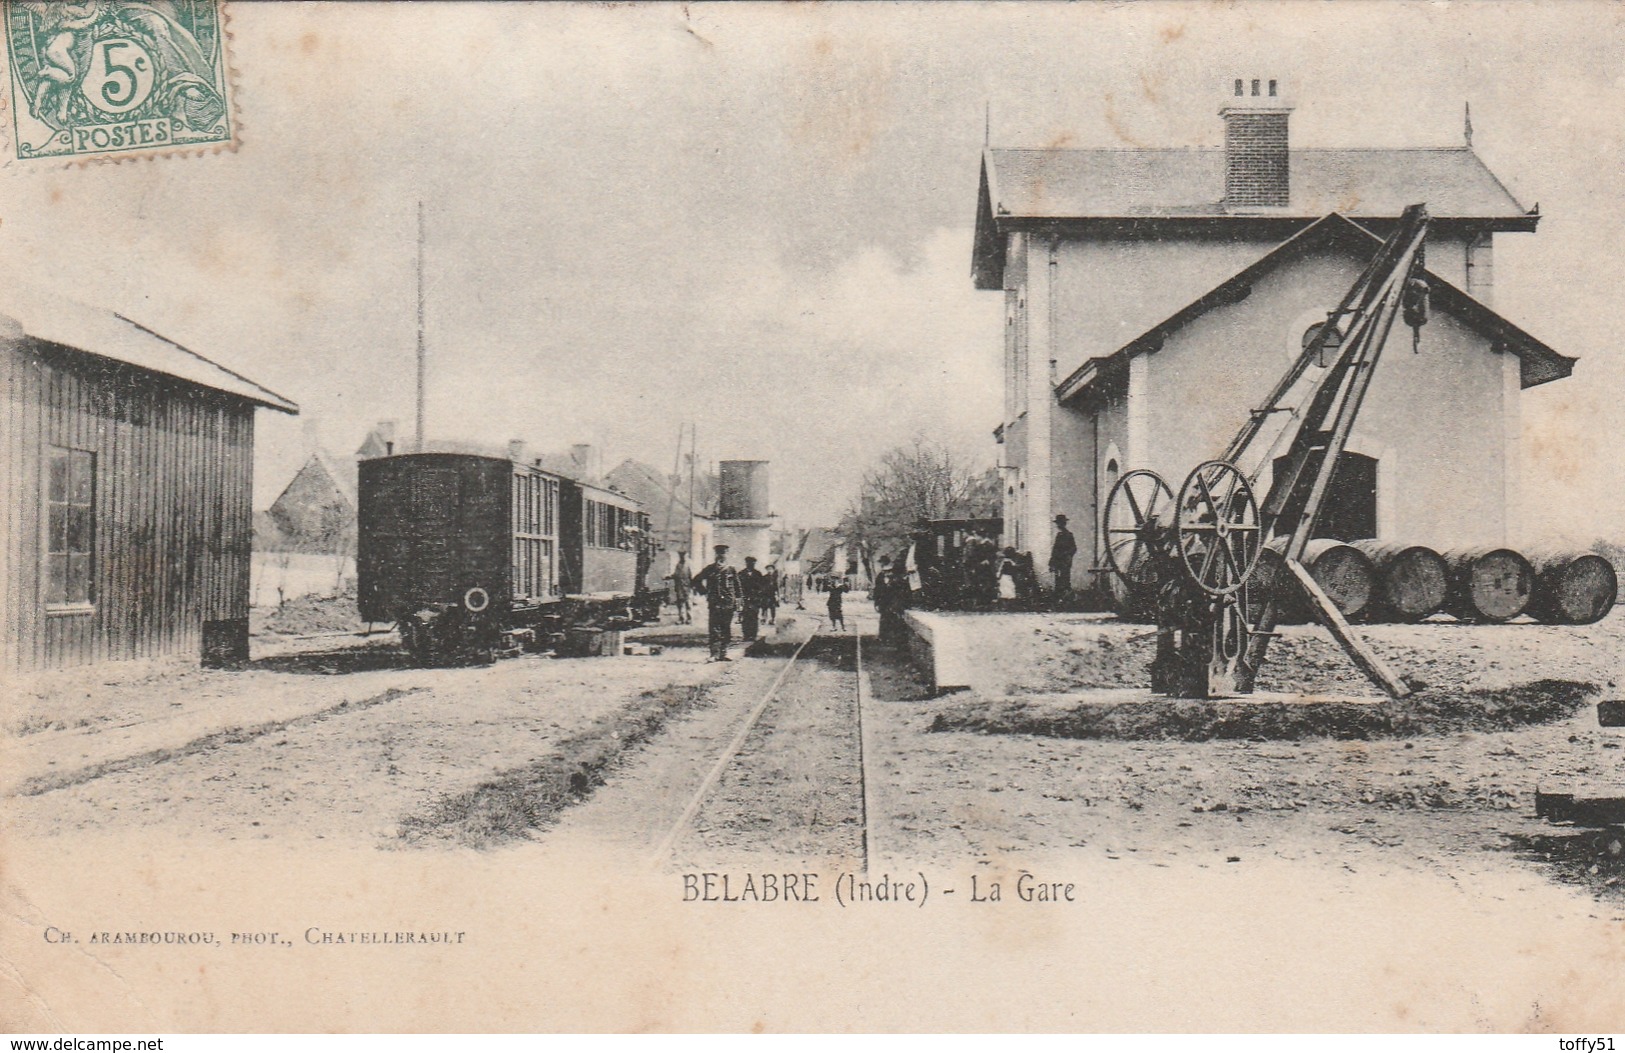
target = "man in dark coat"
x: 770, y: 595
x: 890, y: 596
x: 719, y: 584
x: 751, y: 584
x: 1061, y: 554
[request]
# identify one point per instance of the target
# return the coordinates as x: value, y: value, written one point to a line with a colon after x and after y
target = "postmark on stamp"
x: 116, y: 77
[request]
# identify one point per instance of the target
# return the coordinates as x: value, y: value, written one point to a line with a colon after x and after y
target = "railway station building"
x: 126, y: 468
x: 1154, y: 296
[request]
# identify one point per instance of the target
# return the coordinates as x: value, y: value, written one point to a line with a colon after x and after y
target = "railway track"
x: 815, y: 685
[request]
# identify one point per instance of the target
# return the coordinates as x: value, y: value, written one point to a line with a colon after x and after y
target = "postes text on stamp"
x: 115, y: 77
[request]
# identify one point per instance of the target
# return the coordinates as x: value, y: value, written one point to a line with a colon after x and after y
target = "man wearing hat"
x: 1060, y: 557
x: 753, y: 584
x: 719, y: 584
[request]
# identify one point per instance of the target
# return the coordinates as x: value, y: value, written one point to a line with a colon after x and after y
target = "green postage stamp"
x: 116, y: 77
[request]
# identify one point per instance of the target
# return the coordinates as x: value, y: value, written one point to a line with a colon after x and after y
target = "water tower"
x: 745, y: 517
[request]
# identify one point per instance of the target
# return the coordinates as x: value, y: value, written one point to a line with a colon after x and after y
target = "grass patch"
x: 518, y: 802
x: 1188, y: 720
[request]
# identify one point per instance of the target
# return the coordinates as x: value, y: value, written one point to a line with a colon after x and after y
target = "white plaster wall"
x: 1110, y: 290
x: 1072, y: 490
x: 742, y: 540
x: 1435, y: 419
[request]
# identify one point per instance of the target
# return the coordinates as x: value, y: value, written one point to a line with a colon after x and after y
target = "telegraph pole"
x: 423, y: 354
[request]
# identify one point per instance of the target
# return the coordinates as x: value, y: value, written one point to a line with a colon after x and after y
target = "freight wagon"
x: 470, y: 556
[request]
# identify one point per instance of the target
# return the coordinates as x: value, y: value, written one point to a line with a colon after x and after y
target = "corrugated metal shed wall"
x: 172, y: 518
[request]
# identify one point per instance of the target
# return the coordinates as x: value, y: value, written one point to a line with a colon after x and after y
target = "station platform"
x: 1084, y: 658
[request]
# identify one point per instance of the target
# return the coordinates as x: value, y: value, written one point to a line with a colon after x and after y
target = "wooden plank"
x: 1362, y: 656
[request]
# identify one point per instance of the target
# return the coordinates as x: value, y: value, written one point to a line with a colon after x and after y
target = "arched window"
x: 1108, y: 479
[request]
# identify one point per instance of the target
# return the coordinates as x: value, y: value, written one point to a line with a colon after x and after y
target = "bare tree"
x: 922, y: 480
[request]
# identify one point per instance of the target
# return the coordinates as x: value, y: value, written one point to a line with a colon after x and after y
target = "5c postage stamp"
x: 116, y: 78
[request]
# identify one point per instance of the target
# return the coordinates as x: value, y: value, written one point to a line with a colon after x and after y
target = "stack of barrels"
x: 1379, y: 581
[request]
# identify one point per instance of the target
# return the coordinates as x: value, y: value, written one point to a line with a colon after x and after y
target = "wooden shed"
x: 126, y: 469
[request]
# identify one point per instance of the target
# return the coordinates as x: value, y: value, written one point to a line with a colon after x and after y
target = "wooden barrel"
x: 1488, y: 584
x: 1412, y: 581
x: 1572, y: 588
x: 1271, y: 578
x: 1343, y: 572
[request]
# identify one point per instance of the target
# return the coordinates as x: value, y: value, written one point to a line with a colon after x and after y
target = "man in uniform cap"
x: 719, y: 584
x: 1061, y: 554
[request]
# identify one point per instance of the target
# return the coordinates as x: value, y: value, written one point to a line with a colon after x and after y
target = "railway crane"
x: 1194, y: 553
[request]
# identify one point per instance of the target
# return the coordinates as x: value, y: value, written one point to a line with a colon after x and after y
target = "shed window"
x: 70, y: 528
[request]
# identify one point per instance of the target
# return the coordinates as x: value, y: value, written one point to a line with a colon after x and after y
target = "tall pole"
x: 693, y: 456
x: 423, y: 354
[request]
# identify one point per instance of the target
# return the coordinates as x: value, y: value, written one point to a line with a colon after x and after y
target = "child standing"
x: 837, y: 589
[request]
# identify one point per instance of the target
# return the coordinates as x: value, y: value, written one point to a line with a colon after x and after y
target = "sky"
x: 757, y: 218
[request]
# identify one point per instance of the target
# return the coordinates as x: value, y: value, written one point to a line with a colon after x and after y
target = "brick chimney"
x: 585, y: 457
x: 1256, y: 171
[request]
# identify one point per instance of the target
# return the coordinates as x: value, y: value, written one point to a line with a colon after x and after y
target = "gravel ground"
x: 363, y: 742
x: 1459, y: 800
x: 1038, y: 653
x: 340, y: 740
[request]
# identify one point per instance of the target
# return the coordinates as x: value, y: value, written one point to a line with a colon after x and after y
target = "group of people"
x: 981, y: 575
x: 750, y: 593
x: 977, y: 574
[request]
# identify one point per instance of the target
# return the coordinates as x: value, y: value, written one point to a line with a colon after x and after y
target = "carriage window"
x: 69, y: 549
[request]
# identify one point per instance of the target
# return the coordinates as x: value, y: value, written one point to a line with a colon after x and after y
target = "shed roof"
x: 1539, y: 362
x: 107, y: 334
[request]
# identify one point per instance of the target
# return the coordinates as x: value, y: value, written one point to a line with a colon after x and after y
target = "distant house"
x: 316, y: 511
x: 126, y: 466
x: 380, y: 442
x: 1153, y: 297
x: 677, y: 526
x: 823, y: 553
